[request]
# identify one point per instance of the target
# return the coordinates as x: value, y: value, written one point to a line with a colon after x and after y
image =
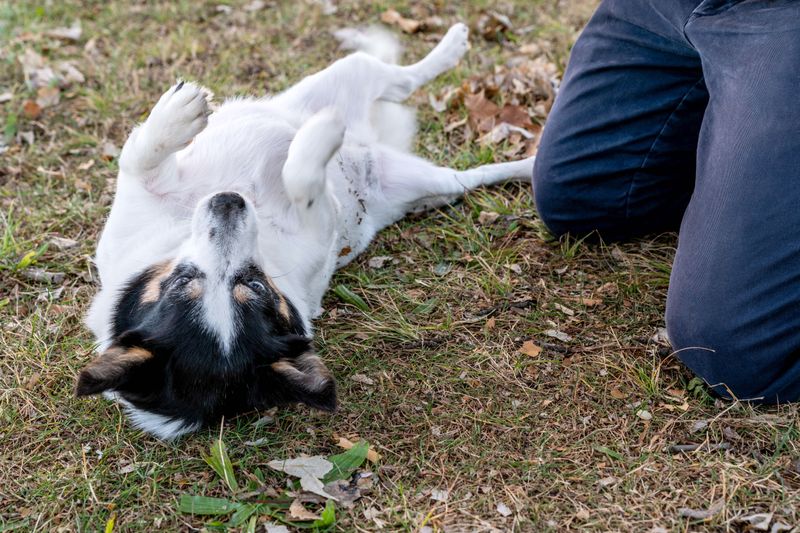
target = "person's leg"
x: 618, y: 151
x: 733, y: 311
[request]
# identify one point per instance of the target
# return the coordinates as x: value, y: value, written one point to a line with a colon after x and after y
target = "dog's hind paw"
x: 180, y: 114
x: 452, y: 47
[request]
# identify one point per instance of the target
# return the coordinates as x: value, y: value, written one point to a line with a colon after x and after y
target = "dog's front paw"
x: 180, y: 114
x: 315, y: 143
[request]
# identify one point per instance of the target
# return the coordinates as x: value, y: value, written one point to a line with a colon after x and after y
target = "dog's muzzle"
x: 226, y: 205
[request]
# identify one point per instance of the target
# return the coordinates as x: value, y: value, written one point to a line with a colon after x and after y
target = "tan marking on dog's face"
x: 152, y: 291
x: 283, y: 307
x: 194, y: 289
x: 242, y: 294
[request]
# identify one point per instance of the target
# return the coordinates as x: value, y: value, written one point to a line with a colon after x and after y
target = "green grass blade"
x: 348, y: 296
x: 344, y: 464
x: 251, y: 526
x: 327, y: 518
x: 205, y: 505
x: 245, y: 511
x: 609, y: 452
x: 221, y: 463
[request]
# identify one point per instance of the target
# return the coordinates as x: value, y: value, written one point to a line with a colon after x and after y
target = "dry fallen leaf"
x: 487, y: 217
x: 346, y: 492
x: 438, y: 495
x: 363, y: 379
x: 314, y: 485
x: 63, y: 243
x: 530, y: 349
x: 560, y: 335
x: 564, y: 309
x: 702, y: 514
x: 378, y: 261
x: 48, y: 96
x: 73, y: 33
x: 757, y: 522
x: 618, y: 394
x: 492, y: 24
x: 503, y: 509
x: 299, y: 512
x: 31, y: 109
x: 316, y: 466
x: 392, y: 17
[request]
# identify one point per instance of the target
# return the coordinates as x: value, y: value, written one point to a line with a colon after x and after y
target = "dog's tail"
x: 373, y: 40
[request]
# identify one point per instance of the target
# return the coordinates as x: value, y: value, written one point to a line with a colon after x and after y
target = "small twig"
x: 706, y: 447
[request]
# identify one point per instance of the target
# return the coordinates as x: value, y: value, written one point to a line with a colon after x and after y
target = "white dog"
x: 227, y: 227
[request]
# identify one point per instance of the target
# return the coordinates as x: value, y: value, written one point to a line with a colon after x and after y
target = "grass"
x: 560, y: 439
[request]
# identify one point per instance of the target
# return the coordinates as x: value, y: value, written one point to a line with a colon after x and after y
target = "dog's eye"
x: 256, y: 286
x: 180, y: 281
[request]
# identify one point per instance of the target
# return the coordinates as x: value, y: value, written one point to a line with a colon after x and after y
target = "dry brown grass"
x: 558, y: 438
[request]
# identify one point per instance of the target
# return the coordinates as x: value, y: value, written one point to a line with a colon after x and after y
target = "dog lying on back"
x: 226, y: 229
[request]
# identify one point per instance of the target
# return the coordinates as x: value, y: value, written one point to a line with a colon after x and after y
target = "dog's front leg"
x: 312, y: 198
x: 180, y: 114
x: 304, y: 180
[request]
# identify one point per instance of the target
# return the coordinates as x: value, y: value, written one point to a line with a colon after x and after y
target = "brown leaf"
x: 487, y: 217
x: 530, y: 349
x: 618, y: 394
x: 515, y: 115
x: 48, y: 96
x: 299, y: 512
x: 392, y: 17
x: 344, y: 491
x: 31, y: 109
x: 479, y: 107
x: 492, y: 24
x: 490, y: 324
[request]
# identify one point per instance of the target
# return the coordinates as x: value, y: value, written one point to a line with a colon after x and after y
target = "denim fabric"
x: 685, y: 114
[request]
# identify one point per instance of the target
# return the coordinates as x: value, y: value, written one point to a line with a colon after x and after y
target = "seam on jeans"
x: 696, y: 14
x: 653, y: 145
x: 686, y: 44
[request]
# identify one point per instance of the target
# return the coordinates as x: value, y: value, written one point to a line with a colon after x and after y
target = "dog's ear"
x: 307, y: 378
x: 111, y: 369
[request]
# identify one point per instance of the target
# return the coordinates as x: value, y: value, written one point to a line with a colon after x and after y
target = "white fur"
x: 163, y: 427
x: 319, y: 176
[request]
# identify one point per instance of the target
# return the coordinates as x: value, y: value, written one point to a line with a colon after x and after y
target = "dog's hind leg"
x: 354, y: 83
x: 411, y: 184
x: 178, y: 116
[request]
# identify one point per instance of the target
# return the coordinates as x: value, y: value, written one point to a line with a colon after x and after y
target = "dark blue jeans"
x: 686, y: 114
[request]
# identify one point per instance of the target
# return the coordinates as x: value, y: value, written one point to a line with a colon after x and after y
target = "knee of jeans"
x: 720, y: 352
x: 552, y: 195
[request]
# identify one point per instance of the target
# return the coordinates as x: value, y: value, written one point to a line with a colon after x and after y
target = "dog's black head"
x: 207, y: 335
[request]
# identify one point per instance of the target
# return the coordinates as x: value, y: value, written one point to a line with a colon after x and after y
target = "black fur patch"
x: 189, y: 375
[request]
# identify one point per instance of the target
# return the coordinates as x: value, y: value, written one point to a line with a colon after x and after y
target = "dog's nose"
x: 226, y: 202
